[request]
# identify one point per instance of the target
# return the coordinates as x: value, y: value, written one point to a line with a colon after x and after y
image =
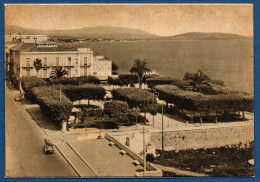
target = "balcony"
x: 86, y: 65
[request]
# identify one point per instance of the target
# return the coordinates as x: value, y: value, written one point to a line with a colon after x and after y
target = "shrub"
x: 115, y: 108
x: 128, y: 78
x: 76, y: 80
x: 114, y: 81
x: 30, y: 82
x: 136, y: 98
x: 161, y: 80
x: 195, y: 101
x: 123, y: 79
x: 140, y: 119
x: 55, y: 105
x: 107, y: 125
x: 87, y: 91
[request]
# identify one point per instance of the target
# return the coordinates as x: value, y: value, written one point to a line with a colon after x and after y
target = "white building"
x: 25, y: 38
x: 102, y: 67
x: 77, y: 61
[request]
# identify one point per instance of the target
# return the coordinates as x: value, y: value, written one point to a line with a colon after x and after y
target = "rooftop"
x: 31, y: 47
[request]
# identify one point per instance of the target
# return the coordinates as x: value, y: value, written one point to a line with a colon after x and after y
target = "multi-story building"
x: 102, y: 67
x: 77, y: 61
x: 25, y: 38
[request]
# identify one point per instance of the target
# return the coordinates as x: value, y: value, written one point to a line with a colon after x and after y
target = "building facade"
x: 102, y: 67
x: 77, y: 61
x: 25, y: 38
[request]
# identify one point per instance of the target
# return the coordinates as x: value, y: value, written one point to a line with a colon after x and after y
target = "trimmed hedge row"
x: 162, y: 80
x: 30, y: 82
x: 123, y: 79
x: 52, y: 105
x: 137, y: 98
x: 76, y: 80
x: 87, y: 91
x: 217, y: 85
x: 195, y: 101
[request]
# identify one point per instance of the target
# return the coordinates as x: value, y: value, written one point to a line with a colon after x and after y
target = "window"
x: 69, y: 61
x: 76, y: 61
x: 27, y: 72
x: 85, y: 72
x: 44, y: 61
x: 69, y: 72
x: 57, y: 61
x: 28, y: 62
x: 85, y: 61
x: 44, y: 73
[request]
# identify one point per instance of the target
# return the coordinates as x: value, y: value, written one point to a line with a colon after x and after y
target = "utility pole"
x: 162, y: 130
x: 144, y: 151
x: 144, y: 148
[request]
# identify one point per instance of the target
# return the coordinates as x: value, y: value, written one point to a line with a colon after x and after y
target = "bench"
x: 122, y: 152
x: 136, y: 162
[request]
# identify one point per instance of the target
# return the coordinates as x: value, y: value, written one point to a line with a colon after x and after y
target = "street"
x: 23, y: 145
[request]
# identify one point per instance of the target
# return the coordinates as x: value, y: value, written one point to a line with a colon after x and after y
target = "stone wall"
x: 203, y: 138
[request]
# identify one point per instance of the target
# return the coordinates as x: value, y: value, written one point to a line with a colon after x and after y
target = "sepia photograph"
x: 129, y: 90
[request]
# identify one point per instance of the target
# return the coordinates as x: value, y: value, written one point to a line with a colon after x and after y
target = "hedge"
x: 217, y: 86
x: 236, y: 101
x: 162, y: 80
x: 123, y: 79
x: 136, y: 98
x: 87, y: 91
x: 52, y: 105
x: 128, y: 78
x: 115, y: 108
x: 76, y: 80
x: 30, y: 82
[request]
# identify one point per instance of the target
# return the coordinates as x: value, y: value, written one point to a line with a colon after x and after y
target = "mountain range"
x: 109, y: 32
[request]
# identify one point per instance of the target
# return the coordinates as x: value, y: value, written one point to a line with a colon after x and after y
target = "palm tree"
x: 58, y: 73
x: 140, y: 68
x: 37, y: 65
x: 197, y: 80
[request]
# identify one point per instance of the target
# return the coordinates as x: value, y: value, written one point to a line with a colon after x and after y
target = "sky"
x: 163, y: 20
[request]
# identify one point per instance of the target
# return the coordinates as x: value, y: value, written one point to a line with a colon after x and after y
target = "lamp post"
x: 144, y: 151
x: 162, y: 130
x: 155, y: 95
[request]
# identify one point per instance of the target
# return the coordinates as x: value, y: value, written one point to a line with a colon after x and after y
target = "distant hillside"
x: 202, y: 35
x: 99, y: 32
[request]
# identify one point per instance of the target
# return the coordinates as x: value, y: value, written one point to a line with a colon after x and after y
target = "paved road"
x: 24, y: 140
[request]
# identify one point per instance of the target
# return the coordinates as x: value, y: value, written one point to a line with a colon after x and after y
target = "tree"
x: 140, y: 68
x: 114, y: 68
x: 116, y: 108
x: 197, y: 80
x: 37, y: 65
x: 58, y: 73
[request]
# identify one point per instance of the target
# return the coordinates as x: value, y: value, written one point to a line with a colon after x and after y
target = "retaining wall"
x: 203, y: 138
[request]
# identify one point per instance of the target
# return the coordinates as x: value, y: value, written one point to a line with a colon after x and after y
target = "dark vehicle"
x: 48, y: 147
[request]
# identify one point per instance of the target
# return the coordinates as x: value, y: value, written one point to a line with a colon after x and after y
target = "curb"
x: 35, y: 119
x: 82, y: 159
x: 67, y: 160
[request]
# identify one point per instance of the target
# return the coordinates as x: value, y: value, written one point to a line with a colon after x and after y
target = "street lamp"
x: 157, y: 94
x: 144, y: 151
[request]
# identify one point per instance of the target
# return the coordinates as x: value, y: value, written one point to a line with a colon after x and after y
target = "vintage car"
x: 48, y: 147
